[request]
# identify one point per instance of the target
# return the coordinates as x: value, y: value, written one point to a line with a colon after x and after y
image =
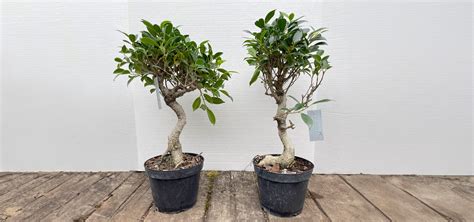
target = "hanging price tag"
x: 316, y: 130
x: 158, y: 93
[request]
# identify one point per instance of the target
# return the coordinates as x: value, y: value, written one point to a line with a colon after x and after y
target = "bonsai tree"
x: 171, y: 64
x: 282, y: 51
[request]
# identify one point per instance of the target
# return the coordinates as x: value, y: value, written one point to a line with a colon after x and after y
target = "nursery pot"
x: 175, y: 190
x: 282, y: 194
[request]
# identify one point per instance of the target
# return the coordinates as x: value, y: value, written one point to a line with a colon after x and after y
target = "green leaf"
x: 118, y: 71
x: 217, y: 100
x: 307, y: 119
x: 200, y: 62
x: 298, y: 106
x: 254, y: 77
x: 211, y: 116
x: 321, y: 101
x: 297, y: 36
x: 130, y: 80
x: 148, y: 41
x: 196, y: 103
x: 260, y: 23
x: 269, y: 16
x: 291, y: 16
x: 118, y: 59
x: 281, y: 24
x: 213, y: 100
x: 123, y: 49
x: 148, y: 81
x: 152, y: 90
x: 296, y: 100
x: 132, y: 37
x: 226, y: 94
x: 208, y: 98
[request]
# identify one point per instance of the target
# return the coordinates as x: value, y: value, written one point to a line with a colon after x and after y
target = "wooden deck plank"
x: 118, y: 198
x: 221, y: 205
x: 17, y: 180
x: 247, y: 203
x: 18, y: 190
x: 15, y: 200
x: 15, y: 205
x: 7, y: 176
x: 395, y: 203
x: 310, y: 212
x: 194, y: 214
x: 234, y: 197
x: 437, y: 193
x: 138, y: 205
x: 85, y: 203
x: 465, y: 185
x: 51, y: 201
x: 340, y: 202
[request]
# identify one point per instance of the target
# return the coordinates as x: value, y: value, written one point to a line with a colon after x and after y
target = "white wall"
x: 402, y: 85
x: 61, y: 110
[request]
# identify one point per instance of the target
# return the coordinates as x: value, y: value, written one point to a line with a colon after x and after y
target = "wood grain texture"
x: 14, y: 201
x: 247, y: 203
x: 395, y: 203
x: 16, y: 180
x: 441, y: 195
x: 137, y: 206
x: 118, y: 198
x: 310, y: 212
x: 340, y: 201
x: 126, y: 196
x: 86, y: 202
x: 222, y: 204
x: 54, y: 199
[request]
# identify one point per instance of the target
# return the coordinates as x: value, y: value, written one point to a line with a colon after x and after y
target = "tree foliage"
x: 282, y: 50
x: 168, y: 62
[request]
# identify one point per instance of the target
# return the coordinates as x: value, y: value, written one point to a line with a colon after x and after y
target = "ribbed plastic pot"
x: 282, y: 194
x: 175, y: 190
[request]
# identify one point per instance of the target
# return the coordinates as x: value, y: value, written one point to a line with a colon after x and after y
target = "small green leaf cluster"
x: 165, y: 59
x: 281, y: 50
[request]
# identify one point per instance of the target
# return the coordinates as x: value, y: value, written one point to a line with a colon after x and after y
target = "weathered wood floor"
x: 232, y: 196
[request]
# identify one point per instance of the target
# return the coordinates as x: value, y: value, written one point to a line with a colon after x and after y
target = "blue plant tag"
x: 316, y: 130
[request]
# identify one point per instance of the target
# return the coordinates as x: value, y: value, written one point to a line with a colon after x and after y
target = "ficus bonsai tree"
x: 169, y: 63
x: 282, y: 51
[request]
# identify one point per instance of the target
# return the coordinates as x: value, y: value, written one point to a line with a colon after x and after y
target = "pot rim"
x: 281, y: 177
x: 175, y: 173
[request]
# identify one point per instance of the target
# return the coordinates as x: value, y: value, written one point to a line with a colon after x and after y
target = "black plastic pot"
x: 175, y: 190
x: 282, y: 194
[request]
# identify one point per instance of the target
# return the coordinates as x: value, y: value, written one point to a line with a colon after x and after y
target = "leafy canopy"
x: 170, y: 63
x: 281, y: 51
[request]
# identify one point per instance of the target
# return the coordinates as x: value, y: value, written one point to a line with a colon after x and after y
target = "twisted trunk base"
x: 174, y: 146
x: 288, y: 155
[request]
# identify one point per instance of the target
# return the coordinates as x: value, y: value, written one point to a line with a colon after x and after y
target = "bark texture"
x: 288, y: 155
x: 174, y: 146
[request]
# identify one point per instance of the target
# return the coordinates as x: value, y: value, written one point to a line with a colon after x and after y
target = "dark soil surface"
x: 299, y: 165
x: 165, y: 163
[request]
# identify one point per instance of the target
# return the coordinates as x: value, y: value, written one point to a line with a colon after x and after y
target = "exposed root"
x: 269, y: 160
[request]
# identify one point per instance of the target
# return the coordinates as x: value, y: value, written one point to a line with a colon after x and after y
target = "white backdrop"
x: 402, y: 85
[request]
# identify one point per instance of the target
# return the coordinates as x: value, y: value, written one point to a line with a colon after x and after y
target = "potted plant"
x: 282, y: 51
x: 172, y: 65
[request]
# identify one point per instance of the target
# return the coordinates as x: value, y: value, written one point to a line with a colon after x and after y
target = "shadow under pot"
x: 283, y: 193
x: 174, y: 190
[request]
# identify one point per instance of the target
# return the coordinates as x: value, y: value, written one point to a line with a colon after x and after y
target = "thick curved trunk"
x: 288, y: 155
x: 174, y: 146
